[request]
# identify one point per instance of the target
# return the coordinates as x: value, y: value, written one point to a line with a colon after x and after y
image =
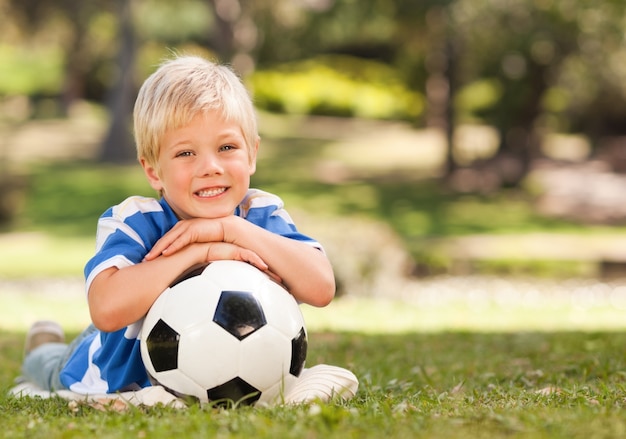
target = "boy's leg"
x: 43, y: 351
x: 42, y: 332
x: 41, y: 365
x: 46, y: 354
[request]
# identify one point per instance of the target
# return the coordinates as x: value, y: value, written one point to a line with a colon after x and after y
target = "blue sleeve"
x: 268, y: 217
x: 266, y: 210
x: 127, y: 232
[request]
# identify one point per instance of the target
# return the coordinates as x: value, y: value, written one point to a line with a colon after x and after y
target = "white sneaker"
x: 41, y: 332
x: 323, y: 383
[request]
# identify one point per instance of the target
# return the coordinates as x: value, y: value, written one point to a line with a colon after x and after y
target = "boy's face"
x: 203, y: 168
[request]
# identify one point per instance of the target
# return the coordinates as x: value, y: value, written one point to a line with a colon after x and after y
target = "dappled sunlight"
x: 474, y: 142
x: 59, y: 299
x: 480, y: 304
x: 21, y: 69
x: 337, y: 85
x: 35, y: 255
x: 588, y: 192
x: 76, y: 137
x: 421, y: 153
x: 468, y: 304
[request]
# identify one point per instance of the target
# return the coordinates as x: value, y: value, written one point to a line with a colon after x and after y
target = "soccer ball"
x: 225, y: 334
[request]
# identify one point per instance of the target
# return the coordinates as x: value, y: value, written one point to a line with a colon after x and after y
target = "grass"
x: 55, y: 256
x: 426, y: 371
x: 418, y: 385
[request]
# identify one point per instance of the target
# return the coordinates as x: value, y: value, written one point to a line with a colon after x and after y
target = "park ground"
x: 451, y: 355
x: 402, y: 303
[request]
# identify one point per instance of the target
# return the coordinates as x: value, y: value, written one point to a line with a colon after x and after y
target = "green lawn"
x: 422, y: 385
x: 467, y: 369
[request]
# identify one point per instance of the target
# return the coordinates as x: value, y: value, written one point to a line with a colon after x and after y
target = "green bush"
x: 336, y: 86
x: 30, y: 72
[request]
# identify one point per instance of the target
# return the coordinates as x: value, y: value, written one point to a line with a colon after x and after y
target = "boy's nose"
x: 210, y: 166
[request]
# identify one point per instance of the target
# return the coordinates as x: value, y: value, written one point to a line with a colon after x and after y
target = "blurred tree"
x: 234, y: 34
x: 593, y: 77
x: 294, y: 30
x: 414, y: 37
x: 547, y: 64
x: 117, y: 145
x: 428, y: 54
x: 537, y: 65
x: 72, y: 24
x: 523, y: 66
x: 148, y: 22
x: 222, y: 34
x: 522, y: 62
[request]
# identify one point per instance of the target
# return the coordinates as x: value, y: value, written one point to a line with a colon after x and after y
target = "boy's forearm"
x: 120, y: 297
x: 304, y: 270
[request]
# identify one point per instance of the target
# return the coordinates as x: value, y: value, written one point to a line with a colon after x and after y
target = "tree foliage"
x: 523, y: 66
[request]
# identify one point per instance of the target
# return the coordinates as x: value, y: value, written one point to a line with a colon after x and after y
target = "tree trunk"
x: 222, y: 36
x: 118, y: 145
x: 440, y: 64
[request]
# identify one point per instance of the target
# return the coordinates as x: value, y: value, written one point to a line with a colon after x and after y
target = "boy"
x: 197, y: 141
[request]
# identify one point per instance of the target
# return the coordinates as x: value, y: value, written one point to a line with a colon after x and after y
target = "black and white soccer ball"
x: 227, y: 334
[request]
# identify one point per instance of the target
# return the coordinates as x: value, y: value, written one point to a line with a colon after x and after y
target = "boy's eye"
x: 227, y: 147
x: 184, y: 154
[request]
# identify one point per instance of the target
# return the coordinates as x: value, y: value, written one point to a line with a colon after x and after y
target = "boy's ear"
x: 151, y: 174
x: 253, y: 152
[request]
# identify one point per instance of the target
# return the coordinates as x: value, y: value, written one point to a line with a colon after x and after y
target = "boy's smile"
x: 207, y: 193
x: 204, y: 168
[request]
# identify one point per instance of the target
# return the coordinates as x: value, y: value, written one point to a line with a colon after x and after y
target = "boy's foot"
x: 41, y: 332
x: 323, y: 383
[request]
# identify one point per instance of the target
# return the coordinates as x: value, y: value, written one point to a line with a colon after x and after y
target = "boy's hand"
x: 219, y: 251
x: 187, y: 232
x: 210, y: 233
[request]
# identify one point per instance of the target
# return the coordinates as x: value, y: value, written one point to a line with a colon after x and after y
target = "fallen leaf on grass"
x: 550, y: 390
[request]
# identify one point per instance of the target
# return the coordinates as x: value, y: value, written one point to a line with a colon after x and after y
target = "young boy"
x: 197, y: 142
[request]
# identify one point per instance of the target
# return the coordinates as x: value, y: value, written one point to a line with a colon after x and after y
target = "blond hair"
x: 180, y: 89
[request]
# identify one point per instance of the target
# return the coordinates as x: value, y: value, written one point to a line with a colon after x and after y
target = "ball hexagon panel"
x: 162, y: 343
x: 188, y: 275
x: 209, y: 362
x: 178, y: 383
x: 277, y: 303
x: 239, y: 313
x: 299, y: 346
x: 248, y: 277
x: 265, y: 357
x: 193, y: 303
x: 237, y: 390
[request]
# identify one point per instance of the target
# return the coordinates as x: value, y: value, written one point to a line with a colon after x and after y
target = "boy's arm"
x: 120, y: 297
x: 304, y: 270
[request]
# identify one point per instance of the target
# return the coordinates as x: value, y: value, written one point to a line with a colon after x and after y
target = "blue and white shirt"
x: 107, y: 362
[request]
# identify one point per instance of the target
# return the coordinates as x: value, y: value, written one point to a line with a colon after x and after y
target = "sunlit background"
x: 462, y: 161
